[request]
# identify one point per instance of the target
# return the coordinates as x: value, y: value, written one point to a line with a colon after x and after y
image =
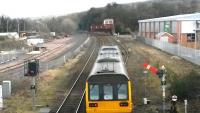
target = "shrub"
x: 187, y: 86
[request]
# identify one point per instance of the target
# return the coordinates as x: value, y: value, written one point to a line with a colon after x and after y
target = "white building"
x: 108, y: 21
x: 12, y: 35
x: 185, y: 29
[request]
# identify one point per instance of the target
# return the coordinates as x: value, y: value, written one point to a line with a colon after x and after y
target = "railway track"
x: 105, y: 41
x: 81, y: 107
x: 74, y: 100
x: 124, y: 49
x: 41, y: 56
x: 74, y: 96
x: 20, y: 64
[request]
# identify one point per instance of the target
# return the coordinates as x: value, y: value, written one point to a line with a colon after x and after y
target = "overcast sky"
x: 43, y: 8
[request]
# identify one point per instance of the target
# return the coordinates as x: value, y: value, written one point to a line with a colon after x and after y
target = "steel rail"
x: 75, y: 82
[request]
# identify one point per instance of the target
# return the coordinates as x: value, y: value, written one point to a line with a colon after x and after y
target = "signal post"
x: 31, y: 69
x: 162, y: 75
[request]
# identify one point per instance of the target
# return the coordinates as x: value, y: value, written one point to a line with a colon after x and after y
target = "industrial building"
x: 179, y: 29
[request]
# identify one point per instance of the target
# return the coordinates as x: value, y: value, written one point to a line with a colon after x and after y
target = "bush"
x: 187, y: 86
x: 2, y: 38
x: 10, y: 44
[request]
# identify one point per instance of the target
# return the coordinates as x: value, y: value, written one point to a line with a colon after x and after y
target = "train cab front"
x: 111, y: 96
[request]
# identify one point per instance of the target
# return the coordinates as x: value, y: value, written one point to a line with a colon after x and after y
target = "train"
x: 108, y: 86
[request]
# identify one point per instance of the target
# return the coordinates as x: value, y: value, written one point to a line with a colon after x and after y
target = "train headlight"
x: 93, y: 105
x: 123, y: 103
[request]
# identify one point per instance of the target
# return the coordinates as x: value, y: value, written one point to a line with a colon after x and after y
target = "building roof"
x: 185, y: 17
x: 160, y: 34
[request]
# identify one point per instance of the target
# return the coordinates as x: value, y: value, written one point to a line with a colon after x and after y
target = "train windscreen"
x: 108, y: 91
x: 108, y: 87
x: 94, y: 92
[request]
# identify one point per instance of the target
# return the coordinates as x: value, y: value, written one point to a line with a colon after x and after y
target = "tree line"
x: 60, y: 24
x: 20, y: 24
x: 126, y: 16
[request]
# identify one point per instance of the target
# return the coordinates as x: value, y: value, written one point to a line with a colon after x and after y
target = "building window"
x: 191, y: 37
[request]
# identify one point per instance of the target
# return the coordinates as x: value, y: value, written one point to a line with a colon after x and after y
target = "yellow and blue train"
x: 108, y: 87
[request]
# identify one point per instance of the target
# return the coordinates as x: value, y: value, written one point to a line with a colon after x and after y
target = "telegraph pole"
x: 18, y: 26
x: 24, y: 26
x: 7, y: 26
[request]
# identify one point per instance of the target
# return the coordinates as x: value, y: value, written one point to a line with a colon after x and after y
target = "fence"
x: 192, y: 55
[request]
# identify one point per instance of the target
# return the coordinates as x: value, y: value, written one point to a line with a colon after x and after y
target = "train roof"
x: 109, y: 50
x: 109, y: 61
x: 104, y: 48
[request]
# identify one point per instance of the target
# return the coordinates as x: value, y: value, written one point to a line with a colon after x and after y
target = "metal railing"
x: 190, y: 54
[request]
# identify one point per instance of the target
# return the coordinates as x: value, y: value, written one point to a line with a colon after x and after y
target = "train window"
x: 94, y: 92
x: 122, y: 91
x: 104, y: 49
x: 108, y: 60
x: 108, y: 92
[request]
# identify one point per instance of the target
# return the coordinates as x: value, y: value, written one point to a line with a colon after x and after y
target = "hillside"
x: 127, y: 15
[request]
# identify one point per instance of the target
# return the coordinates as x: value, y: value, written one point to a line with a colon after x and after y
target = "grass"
x: 177, y: 69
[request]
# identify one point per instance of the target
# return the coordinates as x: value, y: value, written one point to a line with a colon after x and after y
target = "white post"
x: 64, y: 59
x: 185, y: 102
